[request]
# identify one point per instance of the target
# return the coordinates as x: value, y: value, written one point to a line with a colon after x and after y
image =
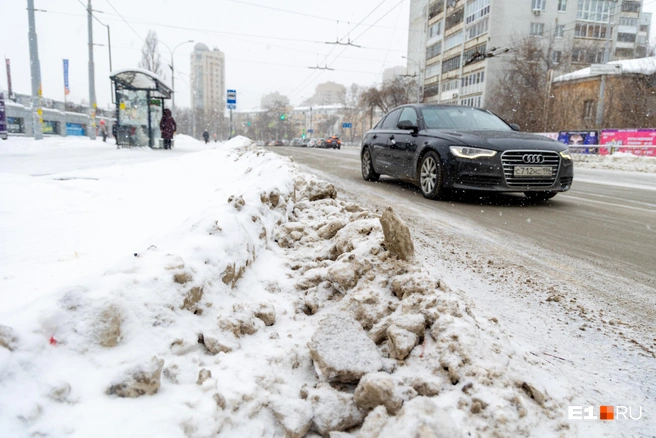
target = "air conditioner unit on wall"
x: 454, y: 96
x: 537, y: 12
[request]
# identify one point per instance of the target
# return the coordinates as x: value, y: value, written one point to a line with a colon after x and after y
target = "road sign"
x: 232, y: 106
x: 310, y: 131
x: 347, y: 125
x: 605, y: 69
x: 232, y: 96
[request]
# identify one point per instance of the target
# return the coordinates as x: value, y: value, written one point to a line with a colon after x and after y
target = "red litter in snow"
x: 53, y: 341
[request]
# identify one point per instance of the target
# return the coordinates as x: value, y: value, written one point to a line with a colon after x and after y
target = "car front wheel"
x: 540, y: 196
x: 368, y: 172
x: 431, y: 176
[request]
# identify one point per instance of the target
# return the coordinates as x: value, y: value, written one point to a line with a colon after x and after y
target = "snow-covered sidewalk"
x: 225, y: 291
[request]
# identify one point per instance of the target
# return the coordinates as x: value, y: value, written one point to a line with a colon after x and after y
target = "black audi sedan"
x: 440, y: 147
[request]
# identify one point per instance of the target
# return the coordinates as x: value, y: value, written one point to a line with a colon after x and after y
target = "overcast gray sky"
x: 268, y: 45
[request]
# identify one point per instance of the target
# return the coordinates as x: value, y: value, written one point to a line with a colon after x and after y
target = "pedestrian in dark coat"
x: 206, y: 136
x: 115, y: 132
x: 168, y: 127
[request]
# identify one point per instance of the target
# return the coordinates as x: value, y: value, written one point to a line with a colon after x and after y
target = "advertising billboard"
x: 632, y: 141
x: 578, y: 140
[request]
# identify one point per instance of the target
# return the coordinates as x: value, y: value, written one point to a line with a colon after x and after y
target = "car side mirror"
x: 514, y: 126
x: 407, y: 125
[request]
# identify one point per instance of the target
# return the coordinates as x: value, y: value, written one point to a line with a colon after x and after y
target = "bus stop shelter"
x: 140, y: 96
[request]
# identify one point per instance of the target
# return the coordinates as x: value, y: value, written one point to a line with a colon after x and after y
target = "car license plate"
x: 532, y: 171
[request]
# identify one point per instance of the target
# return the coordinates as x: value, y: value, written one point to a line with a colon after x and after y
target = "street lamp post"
x: 421, y: 71
x: 172, y: 52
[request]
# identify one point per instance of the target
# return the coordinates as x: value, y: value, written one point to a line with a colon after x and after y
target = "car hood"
x: 497, y: 140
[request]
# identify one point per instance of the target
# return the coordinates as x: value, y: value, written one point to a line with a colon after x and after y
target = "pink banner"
x: 632, y: 141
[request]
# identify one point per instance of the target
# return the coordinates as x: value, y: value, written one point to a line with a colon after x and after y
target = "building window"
x: 597, y: 11
x: 434, y: 50
x: 537, y: 29
x: 556, y: 56
x: 539, y: 5
x: 451, y: 64
x: 435, y: 29
x: 630, y: 6
x: 432, y: 70
x: 450, y: 85
x: 626, y: 37
x: 585, y: 30
x: 452, y: 41
x: 471, y: 101
x: 435, y: 9
x: 474, y: 54
x: 562, y: 5
x: 624, y: 53
x: 473, y: 83
x: 578, y: 54
x: 628, y: 21
x: 476, y: 10
x: 560, y: 31
x: 454, y: 19
x: 589, y: 110
x: 477, y: 29
x: 431, y: 90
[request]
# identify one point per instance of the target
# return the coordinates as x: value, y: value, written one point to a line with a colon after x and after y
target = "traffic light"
x: 303, y: 136
x: 283, y: 116
x: 248, y: 123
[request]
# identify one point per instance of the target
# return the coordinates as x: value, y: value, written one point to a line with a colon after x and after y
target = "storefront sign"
x: 75, y: 129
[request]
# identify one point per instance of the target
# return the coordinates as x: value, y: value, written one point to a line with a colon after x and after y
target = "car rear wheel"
x: 431, y: 176
x: 368, y: 172
x: 540, y: 196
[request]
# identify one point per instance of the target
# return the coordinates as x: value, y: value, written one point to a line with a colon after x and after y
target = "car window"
x: 410, y: 115
x: 390, y: 120
x: 462, y: 118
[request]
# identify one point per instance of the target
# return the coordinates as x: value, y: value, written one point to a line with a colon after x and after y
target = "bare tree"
x: 150, y: 58
x: 520, y: 95
x: 391, y: 94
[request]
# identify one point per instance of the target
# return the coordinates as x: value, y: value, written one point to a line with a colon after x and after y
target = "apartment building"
x: 208, y: 91
x: 459, y: 47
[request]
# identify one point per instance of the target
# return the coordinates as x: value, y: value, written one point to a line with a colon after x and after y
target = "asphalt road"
x: 608, y: 218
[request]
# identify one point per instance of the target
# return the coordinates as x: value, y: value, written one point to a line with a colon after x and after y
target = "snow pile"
x: 276, y: 310
x: 617, y: 161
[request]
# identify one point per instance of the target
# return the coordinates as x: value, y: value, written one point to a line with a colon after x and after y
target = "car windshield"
x: 469, y: 119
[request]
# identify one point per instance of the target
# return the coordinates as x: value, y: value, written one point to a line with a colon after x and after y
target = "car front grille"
x: 480, y: 180
x: 510, y: 159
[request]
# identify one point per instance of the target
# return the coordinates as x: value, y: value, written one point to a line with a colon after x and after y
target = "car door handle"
x: 392, y: 138
x: 375, y: 136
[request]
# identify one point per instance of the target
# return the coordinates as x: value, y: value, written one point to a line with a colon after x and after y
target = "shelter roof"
x: 141, y: 79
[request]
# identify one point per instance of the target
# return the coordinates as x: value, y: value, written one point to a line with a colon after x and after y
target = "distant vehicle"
x: 259, y: 143
x: 440, y: 147
x: 276, y: 143
x: 312, y: 143
x: 3, y: 117
x: 333, y: 142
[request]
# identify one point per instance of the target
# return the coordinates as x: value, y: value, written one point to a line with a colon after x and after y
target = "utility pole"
x: 35, y: 67
x: 92, y: 78
x: 599, y: 120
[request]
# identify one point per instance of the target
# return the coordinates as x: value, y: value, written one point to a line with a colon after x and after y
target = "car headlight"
x: 566, y: 154
x: 469, y: 152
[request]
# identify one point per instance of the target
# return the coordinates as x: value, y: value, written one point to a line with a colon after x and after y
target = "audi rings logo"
x: 533, y: 159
